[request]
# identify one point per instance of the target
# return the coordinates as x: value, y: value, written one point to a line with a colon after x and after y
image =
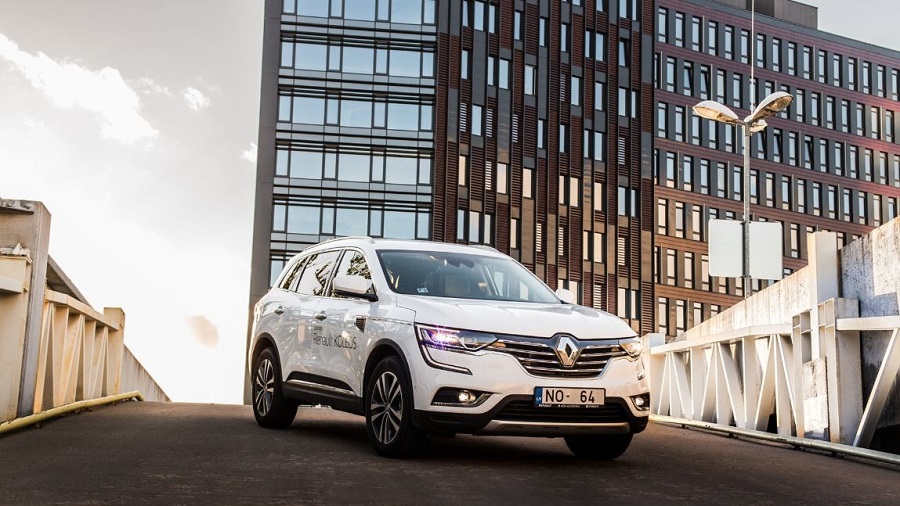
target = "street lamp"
x: 755, y: 122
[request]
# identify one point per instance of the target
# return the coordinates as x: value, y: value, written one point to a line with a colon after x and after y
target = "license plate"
x: 569, y: 397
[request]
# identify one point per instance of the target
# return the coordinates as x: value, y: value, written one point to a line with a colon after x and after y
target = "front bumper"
x: 515, y: 415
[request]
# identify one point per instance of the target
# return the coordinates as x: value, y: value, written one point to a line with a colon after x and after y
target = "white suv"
x: 427, y: 338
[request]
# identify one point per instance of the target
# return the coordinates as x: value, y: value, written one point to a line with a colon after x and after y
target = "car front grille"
x: 526, y: 411
x: 540, y: 359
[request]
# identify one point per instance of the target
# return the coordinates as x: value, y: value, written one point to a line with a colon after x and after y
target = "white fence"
x: 55, y: 349
x: 749, y: 368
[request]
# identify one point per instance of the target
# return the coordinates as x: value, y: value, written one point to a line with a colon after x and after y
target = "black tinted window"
x: 315, y: 275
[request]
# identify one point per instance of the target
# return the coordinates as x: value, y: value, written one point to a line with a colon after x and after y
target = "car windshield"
x: 462, y: 275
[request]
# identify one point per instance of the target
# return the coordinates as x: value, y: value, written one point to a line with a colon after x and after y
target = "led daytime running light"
x: 451, y: 339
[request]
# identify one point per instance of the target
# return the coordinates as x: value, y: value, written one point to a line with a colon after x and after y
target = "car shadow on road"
x: 346, y: 433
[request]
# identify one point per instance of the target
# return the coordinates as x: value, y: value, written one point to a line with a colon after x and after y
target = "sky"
x: 135, y: 123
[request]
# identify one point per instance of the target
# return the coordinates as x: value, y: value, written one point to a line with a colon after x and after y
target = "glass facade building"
x: 829, y: 162
x: 522, y: 124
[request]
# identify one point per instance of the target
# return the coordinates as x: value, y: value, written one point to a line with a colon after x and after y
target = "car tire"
x: 605, y: 447
x: 270, y: 408
x: 389, y: 409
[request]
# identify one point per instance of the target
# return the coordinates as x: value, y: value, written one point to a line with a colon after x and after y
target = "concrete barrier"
x: 55, y: 349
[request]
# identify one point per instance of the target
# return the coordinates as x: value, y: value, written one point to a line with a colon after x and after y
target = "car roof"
x: 405, y: 244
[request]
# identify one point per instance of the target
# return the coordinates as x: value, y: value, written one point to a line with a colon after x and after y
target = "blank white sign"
x: 765, y: 250
x: 726, y: 248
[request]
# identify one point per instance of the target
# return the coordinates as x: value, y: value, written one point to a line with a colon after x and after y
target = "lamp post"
x: 755, y: 122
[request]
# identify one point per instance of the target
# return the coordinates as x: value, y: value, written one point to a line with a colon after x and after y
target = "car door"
x: 280, y: 314
x: 310, y: 291
x: 340, y: 346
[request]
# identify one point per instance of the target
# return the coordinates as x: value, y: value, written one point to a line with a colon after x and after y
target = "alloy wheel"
x: 386, y: 407
x: 265, y: 386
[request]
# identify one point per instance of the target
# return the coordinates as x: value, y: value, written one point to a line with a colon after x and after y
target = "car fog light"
x: 466, y: 396
x: 642, y: 402
x: 459, y: 397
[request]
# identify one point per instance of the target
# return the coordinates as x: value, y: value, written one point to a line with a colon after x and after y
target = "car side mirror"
x: 565, y: 295
x: 353, y: 285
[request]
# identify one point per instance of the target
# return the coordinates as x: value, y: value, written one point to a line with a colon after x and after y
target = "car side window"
x: 293, y: 272
x: 314, y: 279
x: 354, y: 263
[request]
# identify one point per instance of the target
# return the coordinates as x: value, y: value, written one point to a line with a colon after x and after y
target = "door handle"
x: 320, y: 316
x: 279, y: 311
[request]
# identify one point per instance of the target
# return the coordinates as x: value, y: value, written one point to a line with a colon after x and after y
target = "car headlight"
x: 632, y: 346
x: 442, y: 338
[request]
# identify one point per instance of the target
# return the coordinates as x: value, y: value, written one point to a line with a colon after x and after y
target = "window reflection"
x: 405, y: 63
x: 406, y: 11
x: 345, y: 220
x: 356, y: 113
x: 353, y: 167
x: 316, y: 8
x: 358, y: 60
x: 399, y: 225
x: 309, y: 110
x: 303, y: 220
x: 351, y: 221
x: 395, y: 11
x: 379, y: 168
x: 403, y: 116
x: 311, y: 57
x: 363, y: 10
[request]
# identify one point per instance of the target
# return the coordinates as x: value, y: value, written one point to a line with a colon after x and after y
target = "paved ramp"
x: 163, y: 453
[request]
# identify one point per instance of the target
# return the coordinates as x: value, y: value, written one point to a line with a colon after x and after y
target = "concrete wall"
x: 868, y: 270
x: 773, y: 305
x: 871, y: 274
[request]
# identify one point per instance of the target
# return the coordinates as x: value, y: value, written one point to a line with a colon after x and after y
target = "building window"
x: 564, y: 37
x: 599, y: 197
x: 464, y: 64
x: 575, y: 91
x: 679, y: 29
x: 529, y: 80
x: 514, y: 233
x: 527, y: 183
x: 502, y: 178
x: 517, y: 25
x: 624, y: 53
x: 662, y: 25
x: 477, y: 120
x: 541, y: 134
x: 463, y: 170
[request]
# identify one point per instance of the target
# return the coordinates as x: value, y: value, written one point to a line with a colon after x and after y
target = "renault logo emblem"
x: 567, y: 351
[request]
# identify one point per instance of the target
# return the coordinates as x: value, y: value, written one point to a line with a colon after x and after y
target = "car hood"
x: 520, y: 318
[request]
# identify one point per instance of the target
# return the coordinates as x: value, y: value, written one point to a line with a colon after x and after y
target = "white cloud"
x: 195, y: 98
x: 249, y: 154
x: 102, y: 92
x: 148, y: 86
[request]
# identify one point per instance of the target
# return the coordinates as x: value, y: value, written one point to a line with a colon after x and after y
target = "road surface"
x: 164, y: 453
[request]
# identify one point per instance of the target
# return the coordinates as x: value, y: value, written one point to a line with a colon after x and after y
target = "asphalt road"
x: 154, y: 453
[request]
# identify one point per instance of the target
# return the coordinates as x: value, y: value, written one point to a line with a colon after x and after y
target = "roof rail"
x: 360, y: 237
x: 485, y: 247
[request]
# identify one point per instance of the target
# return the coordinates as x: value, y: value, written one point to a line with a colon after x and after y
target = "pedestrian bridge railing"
x: 80, y: 352
x: 775, y: 377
